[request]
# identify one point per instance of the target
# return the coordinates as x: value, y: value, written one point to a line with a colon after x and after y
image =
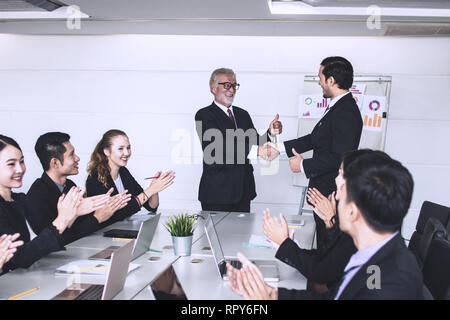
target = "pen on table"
x: 152, y: 177
x: 153, y: 250
x: 23, y: 293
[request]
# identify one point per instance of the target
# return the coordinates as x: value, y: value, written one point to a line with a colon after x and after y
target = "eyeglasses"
x: 228, y: 85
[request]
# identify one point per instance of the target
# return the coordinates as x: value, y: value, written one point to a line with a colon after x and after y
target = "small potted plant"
x: 181, y: 228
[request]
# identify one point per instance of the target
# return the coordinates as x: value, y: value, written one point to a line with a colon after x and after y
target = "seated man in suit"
x: 59, y: 160
x: 227, y: 134
x: 374, y: 196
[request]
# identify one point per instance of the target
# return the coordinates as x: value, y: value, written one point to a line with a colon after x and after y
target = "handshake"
x: 268, y: 151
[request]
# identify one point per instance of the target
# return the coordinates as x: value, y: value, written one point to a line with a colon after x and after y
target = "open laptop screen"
x: 214, y: 241
x: 167, y: 286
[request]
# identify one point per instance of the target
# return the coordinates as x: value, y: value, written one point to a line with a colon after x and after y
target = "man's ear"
x: 331, y: 81
x: 54, y: 163
x: 355, y: 213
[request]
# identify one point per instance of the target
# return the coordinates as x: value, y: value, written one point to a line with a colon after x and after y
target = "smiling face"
x: 12, y: 167
x: 222, y: 95
x: 70, y: 164
x: 119, y: 152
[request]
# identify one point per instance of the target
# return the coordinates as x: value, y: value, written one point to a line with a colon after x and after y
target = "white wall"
x: 151, y: 87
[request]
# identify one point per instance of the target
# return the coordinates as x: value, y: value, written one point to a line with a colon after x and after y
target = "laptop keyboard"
x: 236, y: 263
x: 94, y: 292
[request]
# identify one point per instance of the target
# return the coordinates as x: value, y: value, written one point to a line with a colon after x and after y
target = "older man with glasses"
x: 227, y: 134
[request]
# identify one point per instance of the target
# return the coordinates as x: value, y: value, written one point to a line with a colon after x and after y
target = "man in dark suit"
x: 59, y: 161
x: 227, y: 135
x: 338, y: 131
x: 374, y: 197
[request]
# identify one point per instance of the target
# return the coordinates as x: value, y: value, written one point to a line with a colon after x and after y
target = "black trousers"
x: 242, y: 206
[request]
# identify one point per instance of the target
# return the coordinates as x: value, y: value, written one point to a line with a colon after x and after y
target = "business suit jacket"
x: 228, y: 179
x: 400, y: 278
x: 12, y: 220
x: 42, y: 208
x: 337, y: 132
x: 95, y: 187
x: 324, y: 267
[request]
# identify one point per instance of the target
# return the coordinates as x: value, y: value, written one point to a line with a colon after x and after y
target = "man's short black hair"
x: 49, y: 146
x: 381, y: 188
x: 340, y: 69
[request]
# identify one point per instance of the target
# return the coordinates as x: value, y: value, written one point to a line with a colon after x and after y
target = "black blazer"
x: 42, y: 201
x: 324, y: 267
x: 400, y: 278
x: 228, y: 179
x: 95, y: 187
x: 337, y: 132
x: 12, y: 220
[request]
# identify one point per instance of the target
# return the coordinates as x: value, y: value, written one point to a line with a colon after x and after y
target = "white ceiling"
x: 214, y: 17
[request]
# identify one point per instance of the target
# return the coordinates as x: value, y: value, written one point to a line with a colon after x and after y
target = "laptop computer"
x: 268, y: 268
x: 166, y: 286
x: 115, y: 279
x: 143, y: 241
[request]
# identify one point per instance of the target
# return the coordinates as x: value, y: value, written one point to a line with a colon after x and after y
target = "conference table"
x: 197, y: 273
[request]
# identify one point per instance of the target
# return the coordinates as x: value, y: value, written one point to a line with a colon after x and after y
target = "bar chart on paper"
x: 373, y: 124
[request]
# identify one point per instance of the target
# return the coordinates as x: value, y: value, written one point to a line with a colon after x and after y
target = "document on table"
x: 260, y: 241
x: 94, y: 267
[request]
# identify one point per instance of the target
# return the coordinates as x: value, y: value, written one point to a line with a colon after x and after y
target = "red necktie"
x: 230, y: 115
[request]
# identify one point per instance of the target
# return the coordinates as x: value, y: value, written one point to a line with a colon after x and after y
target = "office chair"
x: 433, y: 229
x: 436, y: 266
x: 428, y: 210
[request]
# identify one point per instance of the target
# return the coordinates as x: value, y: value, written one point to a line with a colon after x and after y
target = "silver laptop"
x: 268, y: 268
x: 117, y: 274
x: 143, y: 241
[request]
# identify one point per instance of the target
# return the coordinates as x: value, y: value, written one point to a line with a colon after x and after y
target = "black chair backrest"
x: 433, y: 229
x: 429, y: 210
x: 432, y: 210
x: 436, y: 267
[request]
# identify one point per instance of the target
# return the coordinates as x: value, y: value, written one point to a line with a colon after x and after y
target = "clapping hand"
x: 90, y: 204
x: 67, y: 208
x: 8, y: 246
x: 324, y: 207
x: 249, y: 281
x: 276, y: 231
x: 114, y: 203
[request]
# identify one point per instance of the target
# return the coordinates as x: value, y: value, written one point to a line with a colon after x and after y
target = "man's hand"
x: 249, y: 281
x: 275, y: 127
x: 268, y: 151
x: 295, y: 161
x: 323, y: 207
x: 91, y: 204
x: 274, y: 230
x: 115, y: 203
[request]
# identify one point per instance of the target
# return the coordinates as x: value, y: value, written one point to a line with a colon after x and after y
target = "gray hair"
x: 213, y: 78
